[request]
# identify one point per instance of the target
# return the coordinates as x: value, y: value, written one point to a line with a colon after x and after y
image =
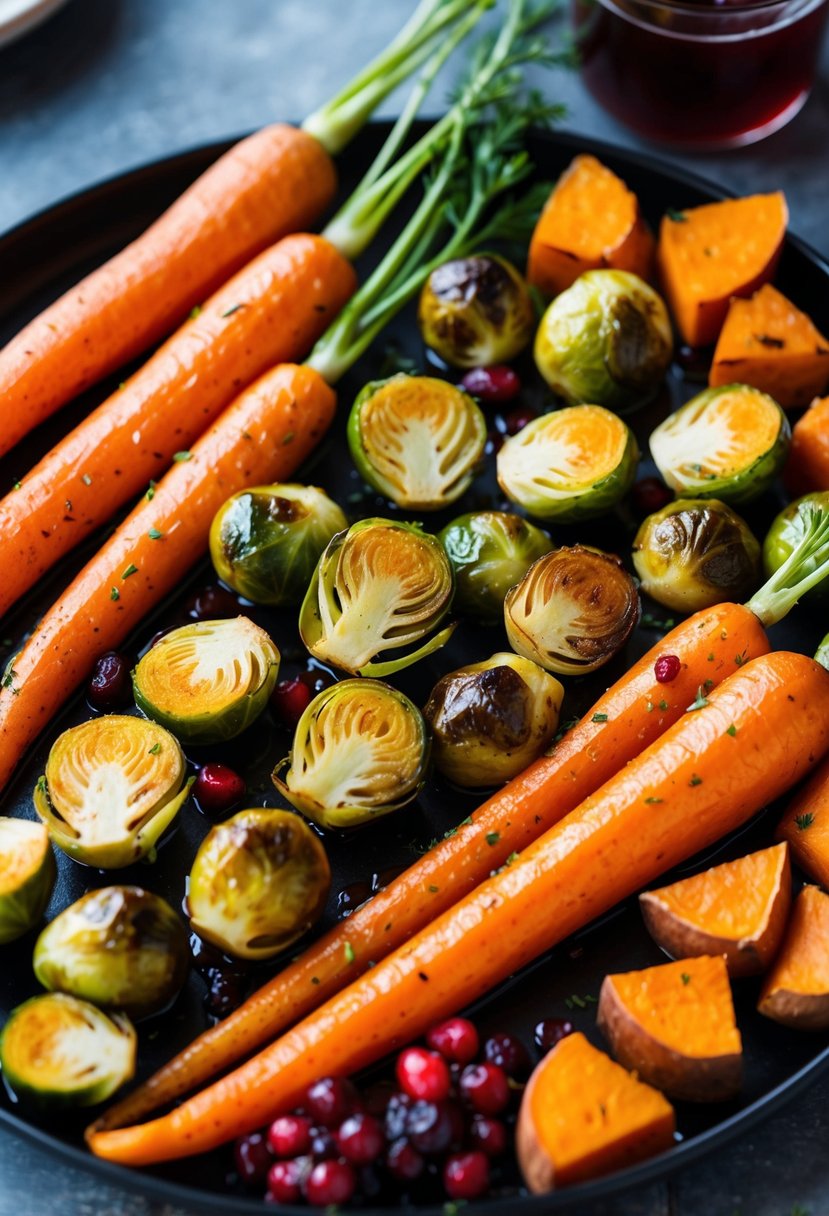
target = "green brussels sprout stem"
x: 786, y: 586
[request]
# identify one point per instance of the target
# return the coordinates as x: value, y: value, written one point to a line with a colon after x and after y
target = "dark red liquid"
x: 663, y: 71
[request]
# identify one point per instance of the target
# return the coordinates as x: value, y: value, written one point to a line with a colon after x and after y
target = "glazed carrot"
x: 268, y: 431
x: 270, y: 312
x: 698, y: 782
x: 807, y: 466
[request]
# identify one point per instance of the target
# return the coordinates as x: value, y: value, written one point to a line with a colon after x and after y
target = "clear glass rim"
x: 706, y: 18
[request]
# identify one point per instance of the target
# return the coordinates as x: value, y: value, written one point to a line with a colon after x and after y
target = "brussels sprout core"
x: 259, y: 881
x: 266, y: 541
x: 491, y: 719
x: 27, y: 875
x: 208, y: 681
x: 417, y: 440
x: 696, y: 553
x: 111, y: 787
x: 360, y: 751
x: 58, y: 1051
x: 379, y: 588
x: 572, y: 611
x: 569, y: 465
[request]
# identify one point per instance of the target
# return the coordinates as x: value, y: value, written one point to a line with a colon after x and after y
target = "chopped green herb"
x: 663, y: 705
x: 599, y: 718
x: 732, y: 730
x: 802, y: 822
x: 155, y: 749
x: 654, y: 800
x: 114, y: 593
x: 195, y: 312
x: 678, y: 217
x: 708, y: 685
x: 181, y: 457
x: 493, y: 838
x: 433, y: 889
x: 130, y: 570
x: 154, y: 534
x: 232, y: 310
x: 700, y: 702
x: 649, y: 706
x: 512, y: 857
x: 289, y: 438
x: 150, y: 492
x: 685, y: 977
x: 464, y: 823
x: 739, y: 659
x: 711, y: 657
x: 579, y: 1002
x: 348, y: 950
x: 695, y: 779
x: 17, y: 485
x: 41, y: 785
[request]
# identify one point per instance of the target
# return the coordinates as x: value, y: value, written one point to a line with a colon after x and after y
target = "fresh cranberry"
x: 323, y: 1144
x: 253, y: 1158
x: 397, y: 1112
x: 485, y: 1087
x: 213, y: 603
x: 666, y: 668
x: 466, y: 1175
x: 649, y: 495
x: 433, y: 1127
x: 217, y: 788
x: 360, y: 1139
x: 226, y: 989
x: 317, y: 678
x: 492, y: 385
x: 110, y: 686
x: 404, y: 1162
x: 290, y: 1135
x: 456, y: 1040
x: 290, y: 699
x: 423, y: 1074
x: 330, y: 1100
x: 517, y: 419
x: 285, y: 1179
x: 551, y: 1031
x: 330, y: 1182
x: 508, y: 1053
x: 489, y: 1135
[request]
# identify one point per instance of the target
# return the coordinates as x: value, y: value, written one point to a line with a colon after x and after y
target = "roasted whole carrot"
x: 269, y: 313
x: 752, y: 738
x: 268, y: 431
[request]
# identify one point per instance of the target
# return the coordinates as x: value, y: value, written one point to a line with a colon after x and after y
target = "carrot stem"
x: 806, y: 566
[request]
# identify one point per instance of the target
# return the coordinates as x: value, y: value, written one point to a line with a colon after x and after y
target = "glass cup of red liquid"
x: 700, y: 73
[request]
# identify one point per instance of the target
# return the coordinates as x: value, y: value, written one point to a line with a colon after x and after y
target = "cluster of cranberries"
x: 445, y: 1119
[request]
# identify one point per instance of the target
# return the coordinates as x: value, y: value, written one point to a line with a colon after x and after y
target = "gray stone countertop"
x: 107, y: 85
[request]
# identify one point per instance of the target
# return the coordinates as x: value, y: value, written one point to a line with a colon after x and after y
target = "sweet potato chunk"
x: 738, y: 910
x: 805, y: 826
x: 591, y: 220
x: 807, y: 467
x: 675, y: 1026
x: 796, y: 991
x: 770, y: 344
x: 583, y: 1115
x: 711, y: 253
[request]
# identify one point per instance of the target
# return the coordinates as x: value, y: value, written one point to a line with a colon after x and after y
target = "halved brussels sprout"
x: 785, y: 534
x: 476, y: 311
x: 360, y: 751
x: 27, y: 876
x: 259, y: 881
x: 491, y: 719
x: 695, y: 553
x: 606, y: 340
x: 266, y: 541
x: 207, y: 681
x: 490, y: 551
x: 573, y: 610
x: 569, y: 465
x: 57, y: 1051
x: 379, y: 588
x: 417, y: 440
x: 111, y: 787
x: 728, y: 443
x: 118, y: 946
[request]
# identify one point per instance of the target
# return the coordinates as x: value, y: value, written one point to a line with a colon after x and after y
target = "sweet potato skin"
x: 681, y: 938
x: 802, y: 964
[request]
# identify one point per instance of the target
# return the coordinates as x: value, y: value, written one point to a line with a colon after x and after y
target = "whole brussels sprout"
x: 112, y: 786
x: 490, y: 551
x: 266, y: 541
x: 786, y: 533
x: 491, y: 719
x: 695, y: 553
x: 27, y: 876
x: 360, y: 751
x: 417, y: 440
x: 259, y: 881
x: 207, y: 681
x: 120, y: 947
x: 605, y: 341
x: 476, y: 311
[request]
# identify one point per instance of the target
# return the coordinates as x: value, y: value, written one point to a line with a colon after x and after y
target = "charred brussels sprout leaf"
x: 360, y: 751
x: 120, y: 947
x: 490, y: 551
x: 416, y: 440
x: 57, y: 1051
x: 569, y: 465
x: 207, y: 681
x: 476, y: 311
x: 266, y: 541
x: 27, y: 876
x: 111, y: 787
x: 696, y: 553
x: 606, y: 341
x: 785, y: 534
x: 572, y: 611
x: 379, y: 589
x: 258, y: 882
x: 491, y: 719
